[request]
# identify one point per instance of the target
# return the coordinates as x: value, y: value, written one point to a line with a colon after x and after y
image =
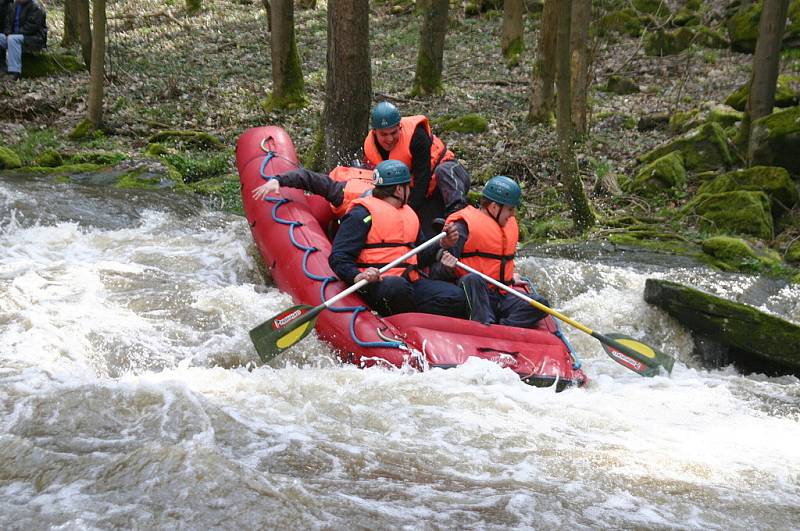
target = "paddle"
x: 627, y: 351
x: 290, y: 326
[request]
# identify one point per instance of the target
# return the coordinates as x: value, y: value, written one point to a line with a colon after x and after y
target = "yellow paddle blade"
x: 294, y: 336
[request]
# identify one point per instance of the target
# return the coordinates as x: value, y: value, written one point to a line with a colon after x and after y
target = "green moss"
x: 513, y: 51
x: 660, y: 42
x: 155, y: 150
x: 546, y: 229
x: 621, y: 85
x: 682, y: 121
x: 773, y: 181
x: 41, y: 64
x: 653, y: 240
x: 775, y: 140
x: 704, y: 148
x: 66, y: 169
x: 785, y: 95
x: 137, y: 179
x: 793, y: 253
x: 198, y: 139
x: 737, y: 212
x: 664, y: 173
x: 656, y: 8
x: 468, y: 123
x: 428, y: 78
x: 198, y: 166
x: 104, y: 158
x: 743, y: 28
x: 624, y: 21
x: 83, y: 130
x: 9, y: 159
x: 735, y: 254
x: 224, y: 192
x: 724, y: 115
x: 709, y: 38
x: 291, y: 93
x: 50, y: 159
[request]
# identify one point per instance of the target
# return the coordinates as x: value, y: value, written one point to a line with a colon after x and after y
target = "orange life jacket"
x: 489, y: 248
x: 357, y: 181
x: 393, y: 233
x: 402, y: 150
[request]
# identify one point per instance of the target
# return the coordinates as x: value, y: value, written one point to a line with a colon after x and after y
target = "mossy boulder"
x: 664, y: 173
x: 709, y: 38
x: 41, y: 64
x: 656, y: 8
x: 9, y: 159
x: 724, y: 115
x: 49, y: 159
x: 682, y: 121
x: 737, y: 212
x: 759, y: 336
x: 624, y: 21
x: 661, y: 42
x: 621, y: 85
x: 785, y: 93
x: 772, y: 180
x: 793, y: 253
x: 468, y: 123
x: 199, y: 139
x: 687, y: 16
x: 735, y: 254
x: 703, y: 148
x: 775, y: 140
x: 742, y: 28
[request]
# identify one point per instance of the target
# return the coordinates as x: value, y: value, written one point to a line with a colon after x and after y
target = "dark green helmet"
x: 384, y: 115
x: 390, y: 173
x: 503, y: 190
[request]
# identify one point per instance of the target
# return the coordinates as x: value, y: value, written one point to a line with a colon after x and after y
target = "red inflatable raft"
x: 290, y: 231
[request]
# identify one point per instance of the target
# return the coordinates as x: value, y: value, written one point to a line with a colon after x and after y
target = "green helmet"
x: 384, y: 115
x: 390, y: 173
x: 503, y: 190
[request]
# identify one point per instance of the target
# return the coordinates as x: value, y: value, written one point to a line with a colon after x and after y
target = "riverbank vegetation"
x: 662, y: 160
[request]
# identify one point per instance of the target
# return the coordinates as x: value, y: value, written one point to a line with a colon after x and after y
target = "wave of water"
x: 124, y: 401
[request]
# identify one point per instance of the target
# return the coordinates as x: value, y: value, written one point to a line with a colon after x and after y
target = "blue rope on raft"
x: 576, y: 362
x: 307, y: 251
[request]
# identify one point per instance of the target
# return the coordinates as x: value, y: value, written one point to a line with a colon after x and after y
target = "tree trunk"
x: 307, y: 4
x: 511, y: 41
x: 348, y: 87
x: 428, y: 78
x: 268, y: 9
x: 94, y: 106
x: 288, y: 89
x: 71, y: 33
x: 579, y: 37
x: 582, y: 215
x: 541, y: 105
x: 766, y: 63
x: 85, y: 31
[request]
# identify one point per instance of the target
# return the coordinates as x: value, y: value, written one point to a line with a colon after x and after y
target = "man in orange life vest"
x: 381, y: 227
x: 488, y: 242
x: 439, y: 182
x: 339, y: 188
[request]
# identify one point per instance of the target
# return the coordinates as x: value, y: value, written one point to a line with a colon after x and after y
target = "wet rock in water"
x: 729, y: 331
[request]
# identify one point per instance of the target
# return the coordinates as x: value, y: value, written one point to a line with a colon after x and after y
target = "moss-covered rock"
x: 657, y: 8
x: 83, y: 129
x: 709, y: 38
x: 621, y: 85
x: 793, y: 253
x: 661, y: 42
x: 664, y: 173
x: 49, y: 159
x: 775, y: 140
x: 682, y: 121
x: 724, y: 115
x: 703, y: 148
x: 199, y: 139
x: 41, y: 64
x: 785, y: 93
x: 737, y: 212
x: 735, y: 254
x: 772, y: 180
x: 687, y: 16
x: 468, y: 123
x: 742, y: 327
x: 9, y: 159
x: 66, y: 169
x: 743, y: 28
x: 625, y: 21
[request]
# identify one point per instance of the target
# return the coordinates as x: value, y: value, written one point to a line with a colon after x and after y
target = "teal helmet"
x: 503, y: 190
x: 384, y: 115
x: 390, y: 173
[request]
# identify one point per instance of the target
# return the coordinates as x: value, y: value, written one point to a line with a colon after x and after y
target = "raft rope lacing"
x: 307, y: 251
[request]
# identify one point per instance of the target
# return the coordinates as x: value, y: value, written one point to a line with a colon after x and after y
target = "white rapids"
x: 125, y: 403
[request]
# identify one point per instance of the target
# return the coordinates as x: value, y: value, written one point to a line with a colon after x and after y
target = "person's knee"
x: 15, y: 40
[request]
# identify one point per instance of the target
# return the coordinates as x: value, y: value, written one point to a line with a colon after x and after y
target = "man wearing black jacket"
x: 24, y: 28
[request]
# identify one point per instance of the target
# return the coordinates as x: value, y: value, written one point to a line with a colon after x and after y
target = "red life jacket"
x: 393, y: 233
x: 402, y: 150
x: 489, y: 248
x: 357, y: 181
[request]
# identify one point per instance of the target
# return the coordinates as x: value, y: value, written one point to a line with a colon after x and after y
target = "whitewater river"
x: 124, y: 402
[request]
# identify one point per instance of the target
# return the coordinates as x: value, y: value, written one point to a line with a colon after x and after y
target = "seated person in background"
x: 439, y: 182
x: 24, y: 27
x: 380, y: 228
x: 487, y: 242
x: 339, y: 188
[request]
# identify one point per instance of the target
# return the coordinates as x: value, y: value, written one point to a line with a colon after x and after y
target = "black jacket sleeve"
x: 420, y: 166
x: 316, y: 183
x: 32, y: 20
x: 349, y: 241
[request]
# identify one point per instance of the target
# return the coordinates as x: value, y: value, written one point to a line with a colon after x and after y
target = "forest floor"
x: 210, y: 71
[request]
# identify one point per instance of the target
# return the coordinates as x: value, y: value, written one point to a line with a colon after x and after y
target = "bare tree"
x: 766, y: 62
x: 582, y: 215
x: 71, y: 35
x: 511, y: 40
x: 94, y: 105
x: 288, y: 89
x: 348, y: 87
x: 579, y: 37
x: 430, y: 59
x: 84, y: 30
x: 540, y: 109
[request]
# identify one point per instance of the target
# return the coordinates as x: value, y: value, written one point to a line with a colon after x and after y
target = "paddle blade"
x: 635, y: 355
x: 275, y: 335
